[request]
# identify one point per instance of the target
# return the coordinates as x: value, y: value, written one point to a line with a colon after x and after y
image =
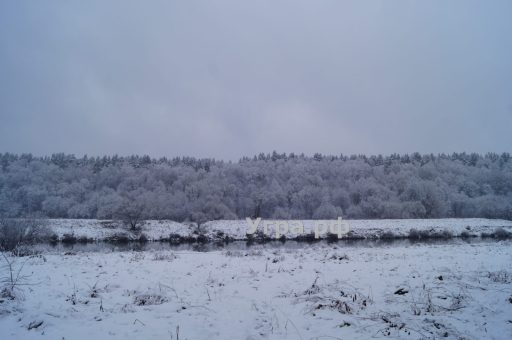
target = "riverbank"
x: 73, y: 231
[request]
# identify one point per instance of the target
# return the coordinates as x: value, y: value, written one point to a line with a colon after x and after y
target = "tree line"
x: 274, y: 185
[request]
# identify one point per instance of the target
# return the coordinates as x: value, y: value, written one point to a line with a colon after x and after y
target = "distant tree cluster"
x: 281, y: 186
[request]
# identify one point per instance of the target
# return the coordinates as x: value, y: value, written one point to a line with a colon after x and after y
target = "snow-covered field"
x: 319, y: 291
x: 236, y: 229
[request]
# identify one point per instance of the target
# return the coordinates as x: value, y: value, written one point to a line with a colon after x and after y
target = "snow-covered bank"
x: 374, y: 228
x: 100, y: 230
x: 236, y: 229
x: 316, y: 292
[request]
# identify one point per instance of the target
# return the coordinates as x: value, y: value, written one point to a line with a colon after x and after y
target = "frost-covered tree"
x: 327, y: 211
x: 268, y: 185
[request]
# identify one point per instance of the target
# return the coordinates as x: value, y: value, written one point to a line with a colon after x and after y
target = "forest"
x: 274, y: 185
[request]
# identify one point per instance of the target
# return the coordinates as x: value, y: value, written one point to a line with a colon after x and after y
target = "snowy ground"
x: 236, y: 229
x: 319, y: 291
x: 374, y: 228
x: 103, y: 229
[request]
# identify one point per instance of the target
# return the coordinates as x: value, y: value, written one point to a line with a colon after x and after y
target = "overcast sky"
x: 230, y: 78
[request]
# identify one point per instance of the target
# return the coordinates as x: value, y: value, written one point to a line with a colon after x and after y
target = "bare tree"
x: 21, y: 231
x: 131, y: 212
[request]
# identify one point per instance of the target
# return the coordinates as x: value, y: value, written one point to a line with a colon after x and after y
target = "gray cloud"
x: 230, y: 78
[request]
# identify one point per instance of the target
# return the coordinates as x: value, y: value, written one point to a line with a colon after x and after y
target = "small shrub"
x: 11, y: 284
x: 498, y: 233
x: 233, y: 253
x: 25, y: 250
x: 83, y: 239
x: 310, y: 237
x: 429, y: 234
x: 351, y: 235
x: 250, y: 239
x: 178, y: 239
x: 465, y: 234
x: 331, y: 237
x: 54, y: 239
x: 501, y: 233
x: 202, y: 238
x: 175, y: 238
x: 68, y: 239
x: 415, y: 234
x: 137, y: 257
x: 149, y: 299
x: 445, y: 235
x: 338, y: 257
x: 118, y: 238
x: 164, y: 257
x: 258, y: 237
x: 7, y: 294
x: 143, y: 238
x: 486, y: 235
x: 388, y: 235
x: 221, y: 237
x: 188, y: 239
x: 500, y: 276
